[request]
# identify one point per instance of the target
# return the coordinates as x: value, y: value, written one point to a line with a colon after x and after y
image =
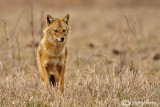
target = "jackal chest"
x: 53, y: 62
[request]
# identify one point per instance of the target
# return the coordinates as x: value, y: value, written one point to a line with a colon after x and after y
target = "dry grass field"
x: 114, y: 56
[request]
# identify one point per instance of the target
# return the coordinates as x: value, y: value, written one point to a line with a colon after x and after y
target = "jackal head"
x: 57, y: 28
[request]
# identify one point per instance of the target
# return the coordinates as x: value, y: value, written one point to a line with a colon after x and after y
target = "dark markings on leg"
x: 52, y: 80
x: 46, y: 68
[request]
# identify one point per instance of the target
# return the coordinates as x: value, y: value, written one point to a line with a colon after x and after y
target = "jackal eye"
x: 56, y: 31
x: 63, y: 30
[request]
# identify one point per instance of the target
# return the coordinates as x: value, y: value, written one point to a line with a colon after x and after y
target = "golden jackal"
x: 52, y: 53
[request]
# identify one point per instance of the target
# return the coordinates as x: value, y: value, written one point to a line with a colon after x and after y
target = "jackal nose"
x: 62, y: 39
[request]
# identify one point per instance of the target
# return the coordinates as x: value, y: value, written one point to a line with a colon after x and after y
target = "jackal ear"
x: 49, y: 19
x: 66, y: 18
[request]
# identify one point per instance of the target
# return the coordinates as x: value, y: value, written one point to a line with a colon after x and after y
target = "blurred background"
x: 110, y: 26
x: 101, y: 30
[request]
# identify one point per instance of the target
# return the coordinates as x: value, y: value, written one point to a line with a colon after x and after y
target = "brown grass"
x: 111, y: 57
